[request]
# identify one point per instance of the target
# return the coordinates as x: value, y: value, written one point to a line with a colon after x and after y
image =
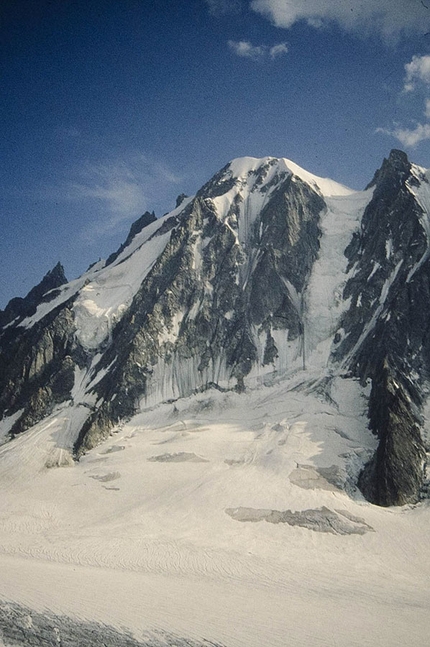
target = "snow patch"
x: 103, y: 300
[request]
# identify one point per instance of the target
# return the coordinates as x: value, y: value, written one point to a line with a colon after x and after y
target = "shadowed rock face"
x: 135, y: 229
x: 22, y: 627
x: 37, y: 367
x: 394, y: 476
x: 18, y: 308
x: 386, y: 330
x: 225, y: 297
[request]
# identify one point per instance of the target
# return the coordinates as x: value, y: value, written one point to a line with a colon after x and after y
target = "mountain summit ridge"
x: 266, y: 271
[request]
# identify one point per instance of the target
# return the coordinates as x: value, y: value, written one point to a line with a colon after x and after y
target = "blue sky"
x: 109, y: 108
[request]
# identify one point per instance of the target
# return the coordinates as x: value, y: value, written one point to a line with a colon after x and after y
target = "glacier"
x: 195, y: 432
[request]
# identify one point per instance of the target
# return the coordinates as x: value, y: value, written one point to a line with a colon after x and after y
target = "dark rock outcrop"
x: 37, y: 367
x: 18, y: 307
x: 394, y: 476
x: 24, y: 627
x: 386, y: 330
x: 135, y: 229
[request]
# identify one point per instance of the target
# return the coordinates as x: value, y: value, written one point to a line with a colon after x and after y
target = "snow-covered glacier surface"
x: 225, y: 518
x: 215, y: 518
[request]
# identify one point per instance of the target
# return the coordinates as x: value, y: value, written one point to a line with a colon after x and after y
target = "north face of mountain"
x: 267, y: 271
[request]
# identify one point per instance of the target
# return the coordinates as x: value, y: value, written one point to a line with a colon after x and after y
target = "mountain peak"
x: 146, y: 219
x: 267, y: 271
x: 394, y: 168
x: 20, y: 307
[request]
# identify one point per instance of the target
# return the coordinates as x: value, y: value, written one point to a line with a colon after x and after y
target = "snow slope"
x: 324, y: 294
x: 221, y: 517
x: 137, y: 535
x: 102, y: 294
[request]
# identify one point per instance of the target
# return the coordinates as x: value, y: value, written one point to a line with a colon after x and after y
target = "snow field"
x: 136, y: 533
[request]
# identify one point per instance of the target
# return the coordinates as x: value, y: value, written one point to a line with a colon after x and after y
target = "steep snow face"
x: 251, y: 184
x: 102, y: 294
x: 103, y: 300
x: 263, y: 171
x: 242, y: 192
x: 324, y: 297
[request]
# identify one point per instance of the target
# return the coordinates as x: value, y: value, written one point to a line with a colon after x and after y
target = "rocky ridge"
x: 222, y: 293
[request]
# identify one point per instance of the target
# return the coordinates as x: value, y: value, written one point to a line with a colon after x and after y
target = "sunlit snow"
x: 184, y: 520
x: 138, y: 534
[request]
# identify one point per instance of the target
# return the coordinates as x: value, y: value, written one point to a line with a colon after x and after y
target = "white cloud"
x: 417, y: 71
x: 278, y: 50
x: 387, y: 17
x: 245, y: 49
x: 417, y: 77
x: 409, y: 137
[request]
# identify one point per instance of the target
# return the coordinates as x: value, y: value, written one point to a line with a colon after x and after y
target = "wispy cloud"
x: 409, y: 137
x: 220, y: 7
x: 245, y: 49
x: 417, y: 78
x: 114, y: 185
x: 278, y: 50
x: 114, y: 192
x: 389, y: 18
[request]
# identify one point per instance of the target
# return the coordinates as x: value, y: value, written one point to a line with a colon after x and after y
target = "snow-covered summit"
x: 264, y: 170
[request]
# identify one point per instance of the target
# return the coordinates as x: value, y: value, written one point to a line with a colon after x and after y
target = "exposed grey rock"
x: 179, y: 457
x: 18, y: 307
x: 135, y: 229
x: 324, y: 478
x: 320, y: 520
x: 386, y: 330
x: 395, y: 475
x: 179, y: 200
x: 23, y: 627
x: 37, y: 367
x: 105, y: 478
x: 115, y: 448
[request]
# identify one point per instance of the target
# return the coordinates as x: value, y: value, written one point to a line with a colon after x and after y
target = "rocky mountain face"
x: 267, y: 271
x: 386, y: 328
